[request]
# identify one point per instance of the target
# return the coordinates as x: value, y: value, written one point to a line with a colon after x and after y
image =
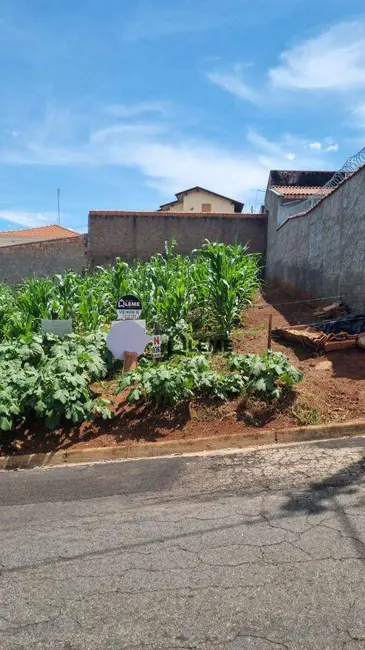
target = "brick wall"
x: 139, y: 235
x: 41, y: 258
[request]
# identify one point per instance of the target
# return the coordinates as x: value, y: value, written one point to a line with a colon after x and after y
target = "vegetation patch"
x: 268, y: 376
x: 195, y: 301
x: 305, y: 414
x: 49, y: 378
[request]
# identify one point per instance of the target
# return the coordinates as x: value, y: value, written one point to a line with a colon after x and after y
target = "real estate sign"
x: 129, y: 307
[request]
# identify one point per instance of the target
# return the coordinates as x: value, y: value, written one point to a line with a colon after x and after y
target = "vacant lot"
x: 332, y: 390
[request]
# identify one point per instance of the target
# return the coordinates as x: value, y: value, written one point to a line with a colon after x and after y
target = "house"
x: 289, y: 190
x: 198, y: 199
x: 30, y: 235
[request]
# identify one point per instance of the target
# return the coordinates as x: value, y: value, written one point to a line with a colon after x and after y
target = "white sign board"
x: 127, y: 336
x: 58, y: 327
x: 156, y: 346
x: 128, y: 315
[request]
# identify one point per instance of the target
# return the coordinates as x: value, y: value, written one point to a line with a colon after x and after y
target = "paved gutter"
x: 151, y: 449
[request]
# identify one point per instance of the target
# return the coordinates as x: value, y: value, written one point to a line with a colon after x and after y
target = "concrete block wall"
x: 322, y: 253
x: 21, y: 261
x: 140, y: 235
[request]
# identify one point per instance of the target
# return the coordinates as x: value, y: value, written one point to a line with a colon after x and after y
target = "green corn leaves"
x: 189, y: 297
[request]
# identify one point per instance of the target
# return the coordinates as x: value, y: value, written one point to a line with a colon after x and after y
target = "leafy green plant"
x: 165, y: 383
x: 228, y: 277
x: 50, y: 378
x: 194, y: 300
x: 171, y: 382
x: 269, y: 375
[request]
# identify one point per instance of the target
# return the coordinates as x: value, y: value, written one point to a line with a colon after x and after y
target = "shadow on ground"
x: 141, y: 423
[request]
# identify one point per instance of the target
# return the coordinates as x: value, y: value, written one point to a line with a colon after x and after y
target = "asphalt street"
x: 258, y: 550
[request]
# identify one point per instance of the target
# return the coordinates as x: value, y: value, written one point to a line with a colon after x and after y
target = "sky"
x: 121, y: 104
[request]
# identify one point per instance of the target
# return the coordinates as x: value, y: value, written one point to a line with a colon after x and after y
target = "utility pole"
x: 58, y: 207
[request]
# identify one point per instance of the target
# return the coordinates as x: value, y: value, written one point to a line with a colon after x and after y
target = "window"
x: 206, y: 207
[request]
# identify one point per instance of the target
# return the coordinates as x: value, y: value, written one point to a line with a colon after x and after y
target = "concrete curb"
x: 150, y: 449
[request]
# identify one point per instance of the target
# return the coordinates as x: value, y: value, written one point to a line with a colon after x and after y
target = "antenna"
x: 58, y: 206
x: 257, y: 197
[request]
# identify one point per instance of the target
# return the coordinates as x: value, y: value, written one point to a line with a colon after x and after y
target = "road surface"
x: 260, y: 550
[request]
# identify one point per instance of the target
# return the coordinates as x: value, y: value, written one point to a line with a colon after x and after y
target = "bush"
x: 49, y: 378
x: 172, y: 382
x: 267, y: 376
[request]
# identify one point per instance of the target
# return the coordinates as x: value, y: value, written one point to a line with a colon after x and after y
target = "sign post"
x: 130, y: 361
x: 127, y: 338
x: 129, y: 308
x: 127, y: 341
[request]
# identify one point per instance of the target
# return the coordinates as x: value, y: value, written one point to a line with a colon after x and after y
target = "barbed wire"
x: 272, y: 303
x: 352, y: 164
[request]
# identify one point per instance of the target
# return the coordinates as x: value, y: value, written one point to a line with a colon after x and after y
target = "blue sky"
x: 121, y: 104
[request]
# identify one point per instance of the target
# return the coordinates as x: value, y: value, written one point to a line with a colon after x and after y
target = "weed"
x: 305, y: 415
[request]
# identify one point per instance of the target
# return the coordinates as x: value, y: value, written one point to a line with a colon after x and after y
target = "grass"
x: 241, y: 333
x: 305, y: 415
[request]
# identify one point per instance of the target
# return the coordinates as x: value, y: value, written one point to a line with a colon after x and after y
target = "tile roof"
x: 297, y: 191
x: 44, y: 232
x: 348, y: 176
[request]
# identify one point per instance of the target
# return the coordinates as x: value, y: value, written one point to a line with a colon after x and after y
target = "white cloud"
x: 28, y: 219
x: 131, y: 110
x: 233, y: 82
x: 274, y: 153
x: 334, y: 60
x: 332, y: 147
x: 171, y: 167
x: 167, y: 159
x: 169, y: 162
x: 327, y: 145
x: 261, y: 143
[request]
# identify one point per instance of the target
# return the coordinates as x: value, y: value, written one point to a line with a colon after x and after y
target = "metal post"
x: 58, y: 207
x: 269, y: 327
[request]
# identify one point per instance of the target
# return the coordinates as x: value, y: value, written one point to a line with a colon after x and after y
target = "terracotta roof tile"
x: 297, y: 191
x: 44, y: 232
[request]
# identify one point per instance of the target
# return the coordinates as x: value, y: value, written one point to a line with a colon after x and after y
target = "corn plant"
x: 226, y: 278
x: 189, y: 297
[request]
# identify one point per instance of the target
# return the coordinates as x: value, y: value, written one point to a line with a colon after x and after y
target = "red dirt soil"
x: 333, y: 390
